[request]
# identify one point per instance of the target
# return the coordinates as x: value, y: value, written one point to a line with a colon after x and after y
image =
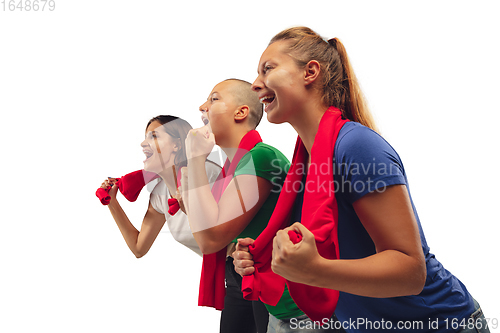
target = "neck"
x: 308, y: 124
x: 230, y: 145
x: 168, y: 177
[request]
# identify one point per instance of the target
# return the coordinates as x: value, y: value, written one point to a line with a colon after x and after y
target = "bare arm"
x: 139, y: 242
x: 214, y: 224
x: 397, y: 269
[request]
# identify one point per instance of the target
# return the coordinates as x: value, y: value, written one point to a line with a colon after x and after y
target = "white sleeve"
x: 213, y: 171
x: 158, y: 197
x: 178, y: 224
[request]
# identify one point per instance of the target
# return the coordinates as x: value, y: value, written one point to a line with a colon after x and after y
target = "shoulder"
x: 358, y: 141
x: 263, y: 152
x: 158, y: 197
x: 160, y: 188
x: 265, y: 161
x: 265, y: 157
x: 365, y: 161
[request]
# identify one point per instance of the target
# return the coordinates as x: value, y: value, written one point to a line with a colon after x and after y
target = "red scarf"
x: 129, y: 185
x: 173, y: 204
x: 212, y: 286
x: 319, y: 215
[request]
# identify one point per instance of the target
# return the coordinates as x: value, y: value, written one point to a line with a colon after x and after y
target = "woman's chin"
x: 273, y: 118
x: 158, y: 169
x: 151, y: 168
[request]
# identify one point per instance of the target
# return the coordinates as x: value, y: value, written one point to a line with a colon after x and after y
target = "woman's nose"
x: 257, y: 84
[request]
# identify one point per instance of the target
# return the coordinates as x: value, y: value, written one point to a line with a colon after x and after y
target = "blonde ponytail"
x: 354, y: 102
x: 340, y: 87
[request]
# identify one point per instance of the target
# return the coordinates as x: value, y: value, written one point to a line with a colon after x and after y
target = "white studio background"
x: 78, y: 85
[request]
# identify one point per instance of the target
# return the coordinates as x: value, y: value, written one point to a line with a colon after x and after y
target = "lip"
x: 266, y: 94
x: 204, y: 119
x: 268, y: 106
x: 148, y: 154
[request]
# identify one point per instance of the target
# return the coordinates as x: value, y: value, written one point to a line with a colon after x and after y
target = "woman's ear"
x: 177, y: 145
x: 311, y: 72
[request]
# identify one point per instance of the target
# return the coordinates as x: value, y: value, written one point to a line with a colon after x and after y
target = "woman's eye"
x: 214, y: 99
x: 267, y: 68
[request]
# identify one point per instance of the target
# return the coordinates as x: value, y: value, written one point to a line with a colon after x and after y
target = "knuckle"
x: 273, y: 267
x: 278, y: 258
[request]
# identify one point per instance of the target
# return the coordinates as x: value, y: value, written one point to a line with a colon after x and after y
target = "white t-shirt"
x: 178, y: 224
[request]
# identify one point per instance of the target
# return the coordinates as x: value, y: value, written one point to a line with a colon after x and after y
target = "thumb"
x: 302, y: 230
x: 184, y: 176
x: 244, y: 243
x: 114, y: 189
x: 211, y: 137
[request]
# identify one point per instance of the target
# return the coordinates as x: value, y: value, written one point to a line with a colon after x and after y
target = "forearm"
x: 203, y: 210
x: 128, y: 231
x: 386, y: 274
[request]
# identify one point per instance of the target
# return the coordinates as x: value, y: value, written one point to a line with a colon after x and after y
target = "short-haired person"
x: 254, y: 173
x: 362, y: 237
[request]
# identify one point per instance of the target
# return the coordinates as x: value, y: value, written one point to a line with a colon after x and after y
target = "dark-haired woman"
x: 164, y: 147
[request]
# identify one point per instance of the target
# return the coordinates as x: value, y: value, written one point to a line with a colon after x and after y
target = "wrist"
x: 196, y: 161
x: 113, y: 203
x: 317, y: 265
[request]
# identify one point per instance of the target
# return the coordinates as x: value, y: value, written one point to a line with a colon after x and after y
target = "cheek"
x: 217, y: 114
x: 281, y: 78
x: 156, y: 145
x: 218, y: 108
x: 162, y: 146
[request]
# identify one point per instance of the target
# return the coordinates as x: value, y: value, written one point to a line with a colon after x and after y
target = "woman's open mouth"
x: 148, y: 154
x: 267, y: 101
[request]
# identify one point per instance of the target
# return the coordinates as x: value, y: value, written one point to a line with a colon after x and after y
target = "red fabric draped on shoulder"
x: 212, y: 287
x: 319, y: 215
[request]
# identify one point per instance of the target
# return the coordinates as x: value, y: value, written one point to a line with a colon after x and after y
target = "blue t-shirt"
x: 365, y: 162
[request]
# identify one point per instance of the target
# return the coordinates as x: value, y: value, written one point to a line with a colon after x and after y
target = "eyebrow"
x: 262, y: 66
x: 215, y: 92
x: 152, y: 132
